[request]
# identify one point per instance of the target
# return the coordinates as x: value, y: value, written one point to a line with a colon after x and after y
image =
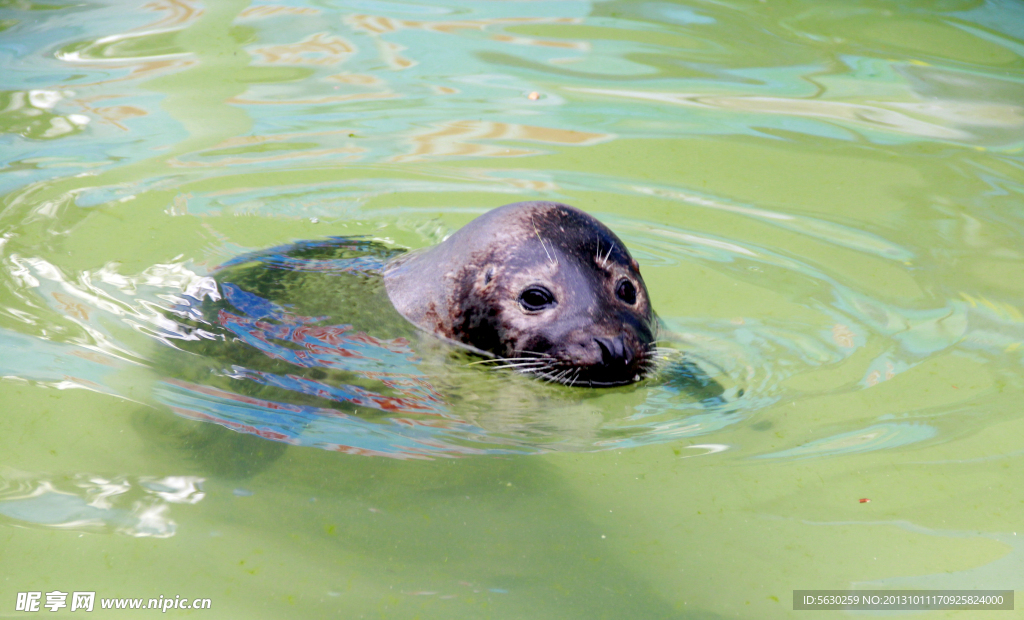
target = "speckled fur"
x: 466, y: 289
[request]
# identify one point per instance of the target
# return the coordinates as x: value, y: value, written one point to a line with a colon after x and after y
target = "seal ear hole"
x: 488, y: 275
x: 536, y: 298
x: 626, y: 292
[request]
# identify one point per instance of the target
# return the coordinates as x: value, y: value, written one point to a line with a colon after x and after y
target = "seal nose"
x: 614, y: 351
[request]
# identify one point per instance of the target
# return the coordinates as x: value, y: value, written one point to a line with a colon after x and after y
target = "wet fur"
x: 467, y: 288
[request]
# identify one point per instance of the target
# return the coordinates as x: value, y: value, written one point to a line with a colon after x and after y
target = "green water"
x: 826, y: 198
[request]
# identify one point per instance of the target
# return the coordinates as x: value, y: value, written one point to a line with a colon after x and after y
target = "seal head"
x: 541, y: 286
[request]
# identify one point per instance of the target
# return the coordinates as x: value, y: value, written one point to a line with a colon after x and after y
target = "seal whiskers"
x: 604, y: 261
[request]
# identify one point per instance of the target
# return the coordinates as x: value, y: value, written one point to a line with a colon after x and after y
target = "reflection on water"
x: 459, y: 139
x: 923, y: 119
x: 133, y: 506
x: 28, y: 114
x: 824, y: 199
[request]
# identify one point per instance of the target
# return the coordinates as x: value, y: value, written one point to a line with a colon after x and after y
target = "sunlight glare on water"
x: 825, y: 199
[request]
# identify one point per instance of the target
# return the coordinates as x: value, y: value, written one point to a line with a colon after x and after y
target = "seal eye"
x: 626, y: 292
x: 536, y: 298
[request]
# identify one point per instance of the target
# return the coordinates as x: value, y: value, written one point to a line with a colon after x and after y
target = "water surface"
x: 826, y: 201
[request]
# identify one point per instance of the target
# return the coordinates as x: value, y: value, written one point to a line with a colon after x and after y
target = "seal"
x: 540, y: 287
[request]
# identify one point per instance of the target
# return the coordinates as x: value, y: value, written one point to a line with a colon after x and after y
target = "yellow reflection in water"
x: 320, y: 48
x: 177, y: 13
x: 379, y: 24
x: 271, y: 10
x: 461, y: 139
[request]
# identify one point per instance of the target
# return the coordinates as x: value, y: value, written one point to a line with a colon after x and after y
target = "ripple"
x: 134, y: 506
x: 312, y: 377
x: 876, y: 437
x: 300, y: 377
x: 333, y: 123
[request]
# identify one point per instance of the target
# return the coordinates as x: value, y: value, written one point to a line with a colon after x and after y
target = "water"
x: 825, y: 199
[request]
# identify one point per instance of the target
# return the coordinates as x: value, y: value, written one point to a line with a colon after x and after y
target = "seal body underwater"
x: 319, y: 343
x: 542, y: 287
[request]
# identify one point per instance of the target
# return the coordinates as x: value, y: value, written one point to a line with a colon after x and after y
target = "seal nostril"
x: 614, y: 351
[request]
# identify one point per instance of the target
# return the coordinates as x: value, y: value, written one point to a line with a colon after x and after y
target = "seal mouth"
x: 555, y: 370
